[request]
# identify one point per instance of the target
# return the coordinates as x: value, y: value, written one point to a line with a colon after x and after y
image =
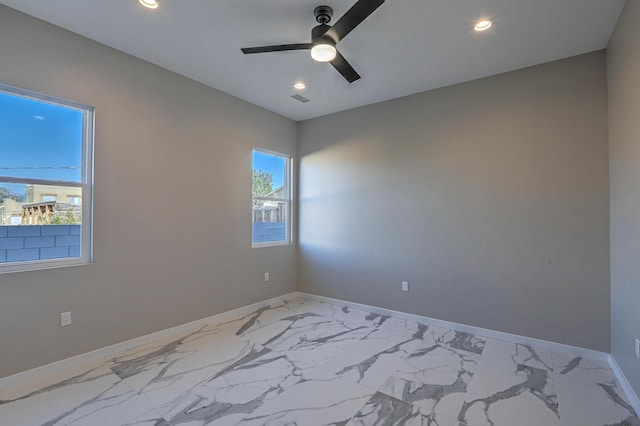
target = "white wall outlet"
x: 266, y: 276
x: 65, y: 319
x: 637, y: 348
x: 405, y: 285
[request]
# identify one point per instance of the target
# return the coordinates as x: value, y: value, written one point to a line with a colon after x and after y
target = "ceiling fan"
x: 324, y: 37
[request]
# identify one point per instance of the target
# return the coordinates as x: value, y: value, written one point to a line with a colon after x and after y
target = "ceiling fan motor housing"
x: 323, y: 14
x: 319, y: 34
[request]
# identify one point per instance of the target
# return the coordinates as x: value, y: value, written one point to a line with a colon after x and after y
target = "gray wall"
x: 490, y: 197
x: 623, y: 63
x: 172, y: 201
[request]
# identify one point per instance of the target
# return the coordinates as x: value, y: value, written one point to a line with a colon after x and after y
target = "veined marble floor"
x: 306, y: 363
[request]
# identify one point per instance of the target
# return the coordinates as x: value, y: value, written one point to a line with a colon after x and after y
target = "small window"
x: 271, y: 199
x: 46, y: 169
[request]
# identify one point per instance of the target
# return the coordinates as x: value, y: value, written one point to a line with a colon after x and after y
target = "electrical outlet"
x: 405, y: 285
x: 65, y: 319
x: 637, y: 348
x: 266, y: 276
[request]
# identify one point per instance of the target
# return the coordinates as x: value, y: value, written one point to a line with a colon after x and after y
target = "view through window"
x: 45, y: 180
x: 271, y: 198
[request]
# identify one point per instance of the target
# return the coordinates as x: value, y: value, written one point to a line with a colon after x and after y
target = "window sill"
x: 271, y: 244
x: 6, y: 268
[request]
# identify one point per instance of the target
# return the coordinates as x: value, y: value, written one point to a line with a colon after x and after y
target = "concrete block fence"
x: 264, y: 232
x: 37, y: 242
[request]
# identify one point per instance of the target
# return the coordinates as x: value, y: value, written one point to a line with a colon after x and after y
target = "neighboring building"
x: 271, y: 211
x: 57, y: 199
x: 277, y: 193
x: 46, y: 193
x: 11, y: 212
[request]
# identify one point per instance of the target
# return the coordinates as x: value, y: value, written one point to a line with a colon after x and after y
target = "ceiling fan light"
x: 323, y: 52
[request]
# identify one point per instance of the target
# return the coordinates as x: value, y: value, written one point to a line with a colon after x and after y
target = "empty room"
x: 362, y: 212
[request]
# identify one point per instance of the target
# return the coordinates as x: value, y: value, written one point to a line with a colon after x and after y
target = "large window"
x: 271, y: 199
x: 46, y: 168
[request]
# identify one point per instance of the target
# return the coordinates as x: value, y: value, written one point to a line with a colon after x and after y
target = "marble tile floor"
x: 304, y: 362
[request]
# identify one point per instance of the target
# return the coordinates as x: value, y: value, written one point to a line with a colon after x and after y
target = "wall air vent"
x: 301, y: 99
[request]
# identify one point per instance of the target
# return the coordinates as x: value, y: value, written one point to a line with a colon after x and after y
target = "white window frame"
x: 86, y: 184
x: 288, y: 185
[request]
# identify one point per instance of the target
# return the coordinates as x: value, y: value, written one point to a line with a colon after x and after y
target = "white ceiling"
x: 404, y: 47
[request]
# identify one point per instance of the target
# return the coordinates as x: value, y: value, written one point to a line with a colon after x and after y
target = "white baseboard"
x: 633, y: 397
x: 98, y: 354
x: 499, y: 335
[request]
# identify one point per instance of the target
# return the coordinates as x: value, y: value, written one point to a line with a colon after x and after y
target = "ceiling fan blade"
x: 352, y: 18
x: 276, y: 48
x: 344, y: 68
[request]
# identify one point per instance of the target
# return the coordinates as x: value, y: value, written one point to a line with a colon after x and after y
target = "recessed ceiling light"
x: 151, y: 4
x: 483, y: 25
x: 299, y: 86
